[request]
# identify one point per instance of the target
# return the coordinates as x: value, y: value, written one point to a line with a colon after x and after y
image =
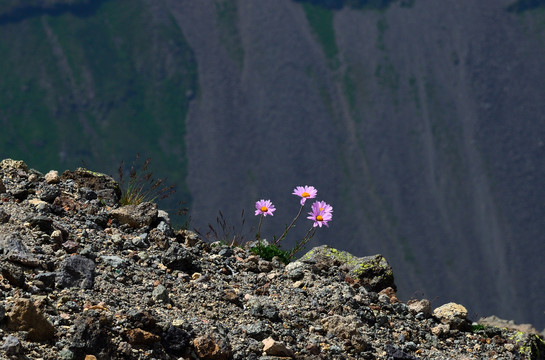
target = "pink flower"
x: 264, y: 207
x: 321, y: 213
x: 305, y: 192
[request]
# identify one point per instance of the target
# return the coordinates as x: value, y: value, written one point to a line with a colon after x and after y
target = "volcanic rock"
x: 13, y: 273
x: 76, y: 271
x: 49, y: 193
x: 16, y: 251
x: 26, y: 317
x: 182, y: 297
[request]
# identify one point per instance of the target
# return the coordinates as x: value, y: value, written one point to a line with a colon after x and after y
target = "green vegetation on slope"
x: 97, y: 89
x: 321, y: 22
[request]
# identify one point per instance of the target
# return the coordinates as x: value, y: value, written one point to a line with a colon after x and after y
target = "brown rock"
x: 440, y: 329
x: 343, y: 327
x: 231, y: 296
x: 276, y: 348
x: 70, y: 246
x: 391, y: 294
x: 67, y: 203
x: 313, y: 349
x: 420, y: 306
x: 449, y: 311
x: 37, y: 203
x: 24, y: 316
x: 52, y: 177
x: 57, y: 236
x: 452, y: 314
x: 141, y: 337
x: 136, y: 216
x: 210, y: 347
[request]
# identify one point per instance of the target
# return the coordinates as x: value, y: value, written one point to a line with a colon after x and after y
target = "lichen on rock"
x: 373, y: 272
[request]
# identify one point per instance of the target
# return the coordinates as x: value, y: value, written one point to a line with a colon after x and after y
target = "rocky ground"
x: 85, y: 278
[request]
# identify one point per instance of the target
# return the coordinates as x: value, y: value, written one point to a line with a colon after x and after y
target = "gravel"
x: 120, y: 283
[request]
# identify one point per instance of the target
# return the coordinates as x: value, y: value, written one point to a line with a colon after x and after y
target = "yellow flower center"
x: 319, y: 218
x: 305, y: 194
x: 321, y: 209
x: 264, y: 209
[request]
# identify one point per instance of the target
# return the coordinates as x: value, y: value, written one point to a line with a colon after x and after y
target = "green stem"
x: 290, y: 226
x: 309, y: 235
x: 258, y: 234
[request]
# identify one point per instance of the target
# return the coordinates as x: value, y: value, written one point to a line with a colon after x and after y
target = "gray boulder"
x: 178, y: 257
x: 76, y: 271
x: 373, y: 272
x: 16, y: 251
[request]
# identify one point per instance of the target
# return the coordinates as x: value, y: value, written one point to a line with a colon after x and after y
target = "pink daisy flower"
x: 305, y: 192
x: 321, y: 213
x: 264, y: 207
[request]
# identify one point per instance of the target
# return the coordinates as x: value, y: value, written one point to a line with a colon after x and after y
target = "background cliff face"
x: 95, y: 82
x: 421, y: 122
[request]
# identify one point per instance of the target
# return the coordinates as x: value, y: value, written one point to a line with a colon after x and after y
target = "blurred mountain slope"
x: 95, y: 83
x: 421, y: 122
